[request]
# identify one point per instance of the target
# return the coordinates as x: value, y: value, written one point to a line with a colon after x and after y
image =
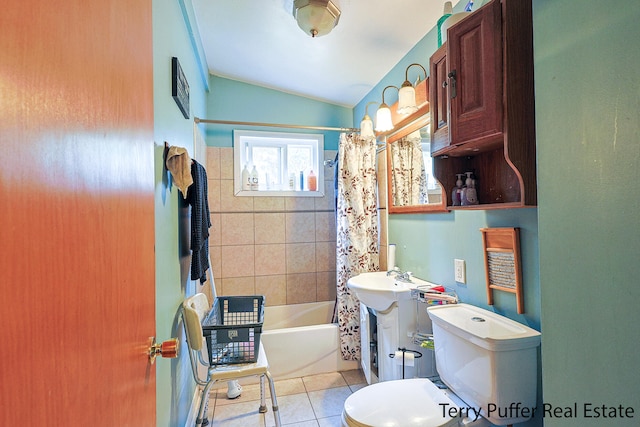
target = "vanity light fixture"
x: 316, y: 17
x: 407, y: 93
x: 366, y: 125
x: 383, y: 115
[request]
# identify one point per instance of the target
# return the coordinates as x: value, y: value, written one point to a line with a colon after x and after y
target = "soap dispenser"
x: 473, y: 198
x: 469, y: 195
x: 457, y: 191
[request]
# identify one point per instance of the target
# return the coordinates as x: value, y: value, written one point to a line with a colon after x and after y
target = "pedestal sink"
x: 379, y: 291
x: 387, y: 315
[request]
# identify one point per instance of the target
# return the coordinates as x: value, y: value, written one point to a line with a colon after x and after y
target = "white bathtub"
x: 300, y: 340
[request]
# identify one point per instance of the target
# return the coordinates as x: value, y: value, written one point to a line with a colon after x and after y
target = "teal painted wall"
x: 427, y: 244
x: 175, y: 386
x: 237, y: 101
x: 588, y: 130
x: 581, y: 246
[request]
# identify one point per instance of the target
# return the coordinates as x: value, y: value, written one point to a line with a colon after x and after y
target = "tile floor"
x: 312, y: 401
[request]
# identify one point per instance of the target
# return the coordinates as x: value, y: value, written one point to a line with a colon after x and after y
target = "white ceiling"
x: 259, y: 42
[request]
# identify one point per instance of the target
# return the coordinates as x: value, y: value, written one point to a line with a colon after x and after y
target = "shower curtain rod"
x: 275, y: 125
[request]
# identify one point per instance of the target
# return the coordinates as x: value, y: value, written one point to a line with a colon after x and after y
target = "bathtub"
x: 300, y: 340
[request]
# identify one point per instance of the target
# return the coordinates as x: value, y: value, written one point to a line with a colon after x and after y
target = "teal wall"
x: 427, y: 244
x: 581, y: 246
x: 236, y: 101
x: 587, y: 67
x: 175, y: 386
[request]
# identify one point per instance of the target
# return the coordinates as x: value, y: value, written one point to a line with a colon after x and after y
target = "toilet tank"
x: 487, y: 360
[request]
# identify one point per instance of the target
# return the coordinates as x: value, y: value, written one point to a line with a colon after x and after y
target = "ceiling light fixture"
x: 366, y: 125
x: 316, y: 17
x: 407, y: 93
x: 383, y: 115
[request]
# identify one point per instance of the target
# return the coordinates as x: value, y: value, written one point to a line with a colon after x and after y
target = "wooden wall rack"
x: 502, y: 262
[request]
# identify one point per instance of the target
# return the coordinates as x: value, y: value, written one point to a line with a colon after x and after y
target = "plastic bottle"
x: 312, y: 181
x: 301, y: 181
x: 472, y: 194
x: 254, y: 179
x: 457, y: 191
x: 469, y: 6
x: 448, y: 10
x: 292, y: 181
x: 246, y: 179
x: 463, y: 194
x: 469, y: 194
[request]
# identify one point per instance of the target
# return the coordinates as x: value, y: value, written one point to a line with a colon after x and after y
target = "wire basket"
x: 233, y: 329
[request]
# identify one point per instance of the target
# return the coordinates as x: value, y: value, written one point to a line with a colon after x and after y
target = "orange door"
x: 77, y: 300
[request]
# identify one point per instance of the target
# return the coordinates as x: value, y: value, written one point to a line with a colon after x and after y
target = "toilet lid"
x: 399, y: 403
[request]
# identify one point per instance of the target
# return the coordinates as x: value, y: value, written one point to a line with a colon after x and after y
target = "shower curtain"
x: 357, y: 232
x: 408, y: 178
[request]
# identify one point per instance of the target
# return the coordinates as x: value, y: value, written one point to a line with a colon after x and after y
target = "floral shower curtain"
x: 357, y: 232
x: 409, y: 178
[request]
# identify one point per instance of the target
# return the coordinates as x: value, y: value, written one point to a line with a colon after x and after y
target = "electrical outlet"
x: 460, y: 271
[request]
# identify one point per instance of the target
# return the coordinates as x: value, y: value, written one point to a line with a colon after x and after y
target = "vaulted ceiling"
x: 259, y: 42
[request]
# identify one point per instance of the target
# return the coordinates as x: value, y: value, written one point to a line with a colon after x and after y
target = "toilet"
x: 487, y: 362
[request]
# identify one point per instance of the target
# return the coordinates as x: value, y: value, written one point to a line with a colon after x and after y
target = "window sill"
x: 278, y: 193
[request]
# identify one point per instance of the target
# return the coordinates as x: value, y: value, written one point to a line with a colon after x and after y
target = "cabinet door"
x: 439, y: 99
x: 475, y: 78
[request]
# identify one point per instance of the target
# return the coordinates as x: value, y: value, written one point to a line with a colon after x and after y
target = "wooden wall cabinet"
x: 482, y: 105
x: 439, y: 100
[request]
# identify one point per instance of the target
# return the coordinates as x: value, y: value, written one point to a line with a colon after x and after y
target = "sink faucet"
x: 404, y: 277
x: 401, y: 276
x: 394, y: 270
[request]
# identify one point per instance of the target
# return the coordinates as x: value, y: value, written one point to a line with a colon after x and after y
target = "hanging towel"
x: 200, y: 222
x: 179, y: 164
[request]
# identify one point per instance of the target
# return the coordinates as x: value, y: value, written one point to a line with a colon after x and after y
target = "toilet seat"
x: 398, y: 403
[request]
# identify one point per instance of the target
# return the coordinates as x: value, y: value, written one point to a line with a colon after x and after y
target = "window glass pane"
x: 428, y: 165
x: 300, y: 158
x: 268, y: 161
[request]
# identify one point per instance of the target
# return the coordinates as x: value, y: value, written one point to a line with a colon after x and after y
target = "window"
x: 432, y: 186
x: 278, y: 164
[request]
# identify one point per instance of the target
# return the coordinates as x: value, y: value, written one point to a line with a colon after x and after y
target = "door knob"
x: 168, y: 349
